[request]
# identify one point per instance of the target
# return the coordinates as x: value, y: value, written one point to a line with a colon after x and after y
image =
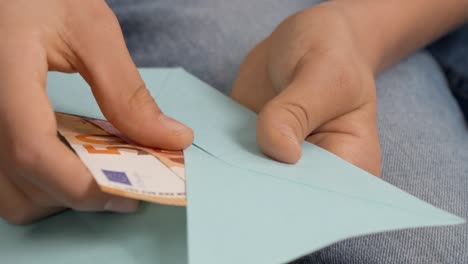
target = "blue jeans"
x: 423, y: 135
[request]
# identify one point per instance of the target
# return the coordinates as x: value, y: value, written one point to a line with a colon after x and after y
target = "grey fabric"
x: 424, y: 139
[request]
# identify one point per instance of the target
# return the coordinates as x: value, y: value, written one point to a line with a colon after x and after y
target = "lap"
x: 209, y: 38
x: 424, y: 138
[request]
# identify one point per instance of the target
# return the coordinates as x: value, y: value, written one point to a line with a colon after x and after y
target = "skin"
x: 313, y: 78
x: 69, y: 36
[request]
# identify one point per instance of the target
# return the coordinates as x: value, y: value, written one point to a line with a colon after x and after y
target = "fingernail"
x: 288, y: 133
x: 173, y: 125
x: 121, y: 205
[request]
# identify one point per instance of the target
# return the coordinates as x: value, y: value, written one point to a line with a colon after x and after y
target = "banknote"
x: 122, y: 167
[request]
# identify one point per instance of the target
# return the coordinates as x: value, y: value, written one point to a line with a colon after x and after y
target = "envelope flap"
x: 239, y: 216
x: 226, y: 130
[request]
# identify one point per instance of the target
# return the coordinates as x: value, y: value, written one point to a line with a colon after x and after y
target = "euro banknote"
x: 122, y: 167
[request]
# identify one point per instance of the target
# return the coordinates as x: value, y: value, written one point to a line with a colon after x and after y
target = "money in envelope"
x: 122, y: 167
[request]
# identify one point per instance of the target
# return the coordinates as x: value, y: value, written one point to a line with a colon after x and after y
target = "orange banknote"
x: 122, y: 167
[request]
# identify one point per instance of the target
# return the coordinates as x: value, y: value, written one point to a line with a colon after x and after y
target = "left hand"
x: 310, y: 80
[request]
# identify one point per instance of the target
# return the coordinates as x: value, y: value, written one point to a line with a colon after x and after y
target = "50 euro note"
x: 121, y: 167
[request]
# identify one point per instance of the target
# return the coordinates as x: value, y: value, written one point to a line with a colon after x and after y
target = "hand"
x: 310, y: 80
x: 38, y: 174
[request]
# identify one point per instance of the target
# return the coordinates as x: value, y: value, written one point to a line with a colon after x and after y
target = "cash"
x: 122, y: 167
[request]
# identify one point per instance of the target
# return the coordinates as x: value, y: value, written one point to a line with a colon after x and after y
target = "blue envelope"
x: 242, y: 206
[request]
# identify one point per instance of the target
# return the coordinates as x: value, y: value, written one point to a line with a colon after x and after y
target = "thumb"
x: 104, y: 61
x: 315, y: 95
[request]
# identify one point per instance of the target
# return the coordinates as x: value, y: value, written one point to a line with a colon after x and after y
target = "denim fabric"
x: 452, y: 54
x: 209, y: 38
x: 423, y: 135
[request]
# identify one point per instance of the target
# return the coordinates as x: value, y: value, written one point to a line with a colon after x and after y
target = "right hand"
x: 39, y: 175
x: 312, y: 84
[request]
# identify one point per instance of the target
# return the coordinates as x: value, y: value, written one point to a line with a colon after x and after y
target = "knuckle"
x: 344, y: 78
x: 133, y: 104
x: 353, y: 85
x: 100, y: 14
x: 295, y: 110
x: 140, y: 99
x: 92, y: 8
x: 105, y: 16
x: 89, y: 16
x: 299, y: 113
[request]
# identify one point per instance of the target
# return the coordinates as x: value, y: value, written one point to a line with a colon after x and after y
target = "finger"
x: 318, y: 93
x: 28, y: 138
x: 104, y: 61
x: 71, y: 183
x: 16, y: 207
